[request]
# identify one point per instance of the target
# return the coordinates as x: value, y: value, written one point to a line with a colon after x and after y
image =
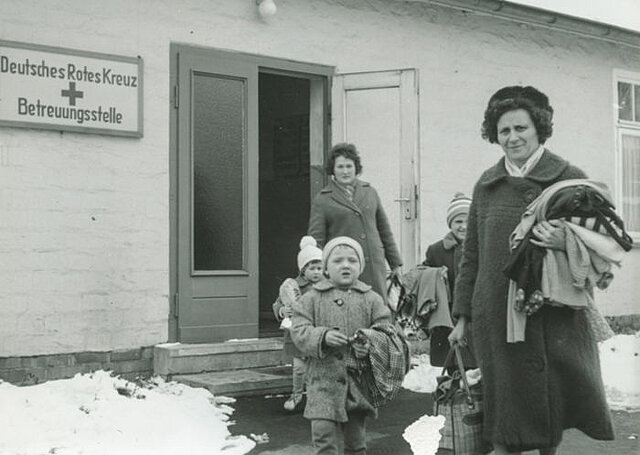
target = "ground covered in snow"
x: 97, y: 414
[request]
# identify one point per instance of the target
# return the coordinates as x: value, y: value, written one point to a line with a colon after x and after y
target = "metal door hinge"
x: 175, y: 97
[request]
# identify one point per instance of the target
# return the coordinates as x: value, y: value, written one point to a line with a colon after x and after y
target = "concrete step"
x: 244, y: 382
x: 171, y: 359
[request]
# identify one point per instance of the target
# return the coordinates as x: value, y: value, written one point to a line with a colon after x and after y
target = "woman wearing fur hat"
x: 536, y: 388
x: 447, y: 252
x: 310, y: 267
x: 348, y: 206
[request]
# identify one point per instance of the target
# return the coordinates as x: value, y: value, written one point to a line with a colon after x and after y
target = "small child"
x: 448, y: 252
x: 330, y: 326
x: 310, y: 267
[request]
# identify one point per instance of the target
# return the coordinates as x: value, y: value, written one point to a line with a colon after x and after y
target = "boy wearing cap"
x: 447, y: 252
x: 326, y: 322
x: 310, y: 267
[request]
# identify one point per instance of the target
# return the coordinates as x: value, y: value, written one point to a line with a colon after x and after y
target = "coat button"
x: 357, y: 213
x: 339, y: 355
x: 529, y: 196
x: 536, y: 363
x: 341, y: 381
x: 363, y: 236
x: 339, y: 302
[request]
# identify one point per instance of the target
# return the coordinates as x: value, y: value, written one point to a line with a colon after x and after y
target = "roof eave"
x: 543, y: 18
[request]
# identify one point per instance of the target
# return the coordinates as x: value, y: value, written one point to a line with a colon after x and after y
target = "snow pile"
x: 422, y: 376
x: 620, y: 363
x: 96, y: 414
x: 423, y: 435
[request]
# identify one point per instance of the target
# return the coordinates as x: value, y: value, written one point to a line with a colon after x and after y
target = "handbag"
x: 462, y: 409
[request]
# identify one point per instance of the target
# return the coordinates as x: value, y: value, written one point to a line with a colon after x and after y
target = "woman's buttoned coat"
x: 551, y: 381
x: 363, y: 219
x: 332, y: 389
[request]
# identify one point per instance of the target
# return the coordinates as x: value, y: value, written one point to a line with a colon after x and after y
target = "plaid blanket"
x: 389, y: 359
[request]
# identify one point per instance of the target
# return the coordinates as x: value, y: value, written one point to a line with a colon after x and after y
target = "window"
x: 627, y: 118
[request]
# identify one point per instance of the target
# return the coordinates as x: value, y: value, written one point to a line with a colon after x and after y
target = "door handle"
x: 406, y: 207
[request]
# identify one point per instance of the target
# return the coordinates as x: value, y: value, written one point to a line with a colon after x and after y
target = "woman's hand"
x: 457, y: 335
x: 334, y: 338
x: 551, y: 234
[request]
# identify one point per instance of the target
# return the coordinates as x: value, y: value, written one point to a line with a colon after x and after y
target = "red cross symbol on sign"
x: 72, y: 93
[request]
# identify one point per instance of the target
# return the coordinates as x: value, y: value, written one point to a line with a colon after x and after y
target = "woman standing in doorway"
x: 551, y: 381
x: 347, y: 206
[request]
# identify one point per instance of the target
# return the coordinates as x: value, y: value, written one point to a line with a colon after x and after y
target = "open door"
x: 248, y: 141
x: 217, y: 198
x: 378, y: 112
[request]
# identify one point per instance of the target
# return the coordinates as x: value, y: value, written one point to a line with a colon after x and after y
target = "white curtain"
x: 631, y: 182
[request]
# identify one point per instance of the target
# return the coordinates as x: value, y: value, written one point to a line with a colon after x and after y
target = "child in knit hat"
x: 328, y: 327
x: 448, y: 252
x: 310, y: 272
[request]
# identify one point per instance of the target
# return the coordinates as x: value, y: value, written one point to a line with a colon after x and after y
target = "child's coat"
x: 332, y: 391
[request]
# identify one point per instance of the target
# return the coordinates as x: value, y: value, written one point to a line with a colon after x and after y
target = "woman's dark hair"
x: 347, y: 151
x: 515, y: 97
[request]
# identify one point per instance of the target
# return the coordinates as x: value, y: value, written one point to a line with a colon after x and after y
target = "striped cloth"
x: 389, y: 359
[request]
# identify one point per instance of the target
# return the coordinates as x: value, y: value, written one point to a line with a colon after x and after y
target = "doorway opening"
x: 284, y: 184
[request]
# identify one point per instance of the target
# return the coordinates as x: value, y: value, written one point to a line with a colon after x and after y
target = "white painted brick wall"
x: 84, y: 219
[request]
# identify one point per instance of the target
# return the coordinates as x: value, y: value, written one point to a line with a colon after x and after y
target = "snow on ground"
x: 97, y: 414
x: 620, y: 364
x: 422, y: 376
x: 423, y: 435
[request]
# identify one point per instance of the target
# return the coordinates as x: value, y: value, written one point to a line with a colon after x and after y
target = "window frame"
x: 622, y: 127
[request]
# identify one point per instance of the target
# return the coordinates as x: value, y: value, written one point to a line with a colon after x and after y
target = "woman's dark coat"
x: 552, y: 380
x: 362, y: 219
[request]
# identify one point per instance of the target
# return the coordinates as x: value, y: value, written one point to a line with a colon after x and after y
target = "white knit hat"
x: 459, y: 204
x: 343, y: 240
x: 309, y: 251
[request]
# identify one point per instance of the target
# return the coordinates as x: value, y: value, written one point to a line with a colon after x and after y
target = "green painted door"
x: 216, y: 239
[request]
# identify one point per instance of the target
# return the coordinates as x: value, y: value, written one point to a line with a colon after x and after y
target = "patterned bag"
x: 462, y: 409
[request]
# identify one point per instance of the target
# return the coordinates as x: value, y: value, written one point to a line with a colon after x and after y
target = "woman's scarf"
x: 348, y: 188
x: 514, y: 171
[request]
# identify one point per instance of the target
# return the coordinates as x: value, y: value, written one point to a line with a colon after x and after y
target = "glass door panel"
x: 218, y: 175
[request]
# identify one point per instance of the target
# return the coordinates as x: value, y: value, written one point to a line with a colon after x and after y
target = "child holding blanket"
x: 356, y: 358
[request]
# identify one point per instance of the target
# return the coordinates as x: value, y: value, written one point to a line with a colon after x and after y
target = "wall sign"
x: 64, y: 89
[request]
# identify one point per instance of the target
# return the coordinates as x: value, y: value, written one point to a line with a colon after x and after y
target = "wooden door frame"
x: 406, y: 80
x: 264, y: 63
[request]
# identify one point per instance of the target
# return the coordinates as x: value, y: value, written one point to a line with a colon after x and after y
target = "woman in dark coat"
x: 551, y: 381
x: 350, y: 207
